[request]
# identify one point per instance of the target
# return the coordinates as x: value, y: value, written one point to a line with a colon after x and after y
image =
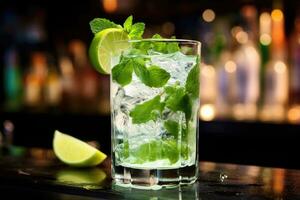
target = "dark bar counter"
x: 243, y: 142
x: 35, y: 173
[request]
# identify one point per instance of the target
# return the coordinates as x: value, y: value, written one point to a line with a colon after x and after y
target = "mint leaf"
x: 141, y: 71
x: 157, y: 77
x: 159, y: 46
x: 184, y: 142
x: 163, y: 47
x: 137, y: 30
x: 146, y: 46
x: 143, y: 46
x: 156, y: 36
x: 122, y: 72
x: 136, y: 52
x: 185, y: 150
x: 172, y: 127
x: 192, y: 82
x: 153, y: 76
x: 178, y: 100
x: 146, y: 152
x: 174, y: 100
x: 127, y: 24
x: 156, y: 149
x: 173, y: 47
x: 187, y: 107
x: 170, y: 89
x: 99, y: 24
x: 170, y: 150
x: 149, y: 110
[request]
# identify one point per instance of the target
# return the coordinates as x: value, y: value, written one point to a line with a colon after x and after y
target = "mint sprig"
x: 137, y: 30
x: 173, y: 47
x: 158, y: 46
x: 99, y: 24
x: 134, y: 31
x: 153, y: 76
x: 149, y: 110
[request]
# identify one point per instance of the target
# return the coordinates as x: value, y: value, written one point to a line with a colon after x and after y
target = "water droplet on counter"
x: 223, y: 177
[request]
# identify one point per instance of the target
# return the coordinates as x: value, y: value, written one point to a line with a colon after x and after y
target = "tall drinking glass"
x: 154, y: 113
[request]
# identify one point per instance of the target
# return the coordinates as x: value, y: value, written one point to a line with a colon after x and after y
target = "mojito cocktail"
x: 154, y: 103
x: 154, y: 110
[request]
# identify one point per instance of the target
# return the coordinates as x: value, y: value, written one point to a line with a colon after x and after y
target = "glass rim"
x: 195, y: 42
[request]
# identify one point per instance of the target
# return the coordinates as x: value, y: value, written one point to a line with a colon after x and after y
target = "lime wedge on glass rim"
x: 104, y: 46
x: 75, y: 152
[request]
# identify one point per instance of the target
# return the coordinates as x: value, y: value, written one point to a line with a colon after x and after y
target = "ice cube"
x: 137, y: 89
x: 176, y: 64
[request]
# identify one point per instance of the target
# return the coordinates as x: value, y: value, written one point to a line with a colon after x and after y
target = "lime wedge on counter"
x: 104, y: 46
x: 75, y: 152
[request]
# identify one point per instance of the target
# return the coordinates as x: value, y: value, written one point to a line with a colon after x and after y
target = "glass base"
x: 154, y: 179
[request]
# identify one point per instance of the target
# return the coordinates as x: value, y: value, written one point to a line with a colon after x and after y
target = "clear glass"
x: 154, y: 113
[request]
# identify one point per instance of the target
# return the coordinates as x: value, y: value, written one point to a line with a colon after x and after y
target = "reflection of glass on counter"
x: 181, y: 192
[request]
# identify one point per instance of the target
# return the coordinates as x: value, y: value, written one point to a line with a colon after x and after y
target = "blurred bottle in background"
x: 53, y: 86
x: 86, y: 78
x: 35, y: 79
x: 13, y: 86
x: 293, y: 114
x: 226, y: 88
x: 211, y: 48
x: 244, y: 72
x: 276, y: 76
x: 247, y: 60
x: 208, y: 88
x: 9, y: 24
x: 69, y: 86
x: 265, y: 39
